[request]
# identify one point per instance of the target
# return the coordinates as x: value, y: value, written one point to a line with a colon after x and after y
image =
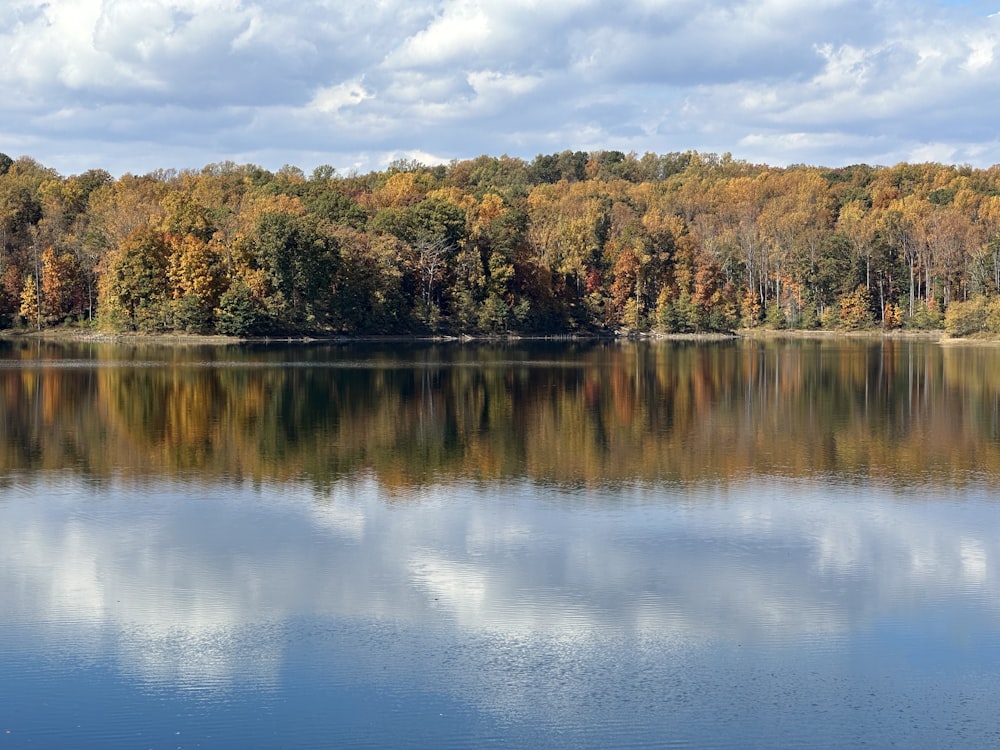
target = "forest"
x: 568, y: 243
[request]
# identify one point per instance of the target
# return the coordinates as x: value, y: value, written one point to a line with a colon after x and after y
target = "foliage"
x: 239, y: 313
x: 134, y: 283
x: 30, y: 305
x: 571, y: 241
x: 977, y: 315
x: 966, y: 318
x: 926, y: 316
x: 855, y: 309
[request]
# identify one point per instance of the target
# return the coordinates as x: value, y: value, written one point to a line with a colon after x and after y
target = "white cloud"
x: 981, y: 56
x: 932, y: 152
x: 207, y: 80
x: 457, y: 34
x: 487, y: 82
x: 335, y: 98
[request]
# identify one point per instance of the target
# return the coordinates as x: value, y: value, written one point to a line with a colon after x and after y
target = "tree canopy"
x: 568, y: 242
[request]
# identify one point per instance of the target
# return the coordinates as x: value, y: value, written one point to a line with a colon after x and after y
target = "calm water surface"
x: 781, y: 544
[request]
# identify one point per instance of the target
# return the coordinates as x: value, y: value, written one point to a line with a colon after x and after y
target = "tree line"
x: 571, y: 242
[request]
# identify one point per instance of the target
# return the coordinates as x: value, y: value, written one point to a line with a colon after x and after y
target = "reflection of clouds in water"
x: 173, y: 617
x: 839, y: 549
x: 348, y: 522
x: 974, y: 560
x: 460, y: 588
x: 485, y: 535
x: 202, y: 658
x: 185, y: 578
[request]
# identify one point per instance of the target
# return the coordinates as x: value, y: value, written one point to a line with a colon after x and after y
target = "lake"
x: 752, y: 544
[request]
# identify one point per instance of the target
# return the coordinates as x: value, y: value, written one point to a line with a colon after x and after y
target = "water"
x: 612, y: 545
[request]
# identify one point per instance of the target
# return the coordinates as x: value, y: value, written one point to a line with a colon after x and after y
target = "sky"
x: 139, y: 85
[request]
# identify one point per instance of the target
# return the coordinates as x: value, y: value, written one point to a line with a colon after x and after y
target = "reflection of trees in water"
x: 578, y: 414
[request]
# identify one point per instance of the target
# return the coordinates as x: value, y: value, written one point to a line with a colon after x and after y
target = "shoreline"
x: 874, y: 333
x: 83, y: 336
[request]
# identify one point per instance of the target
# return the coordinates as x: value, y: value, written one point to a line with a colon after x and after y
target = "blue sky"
x: 136, y: 85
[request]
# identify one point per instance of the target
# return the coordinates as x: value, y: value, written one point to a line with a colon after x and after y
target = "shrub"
x: 925, y: 317
x: 855, y: 309
x: 993, y: 315
x: 239, y: 314
x: 775, y: 316
x: 966, y: 318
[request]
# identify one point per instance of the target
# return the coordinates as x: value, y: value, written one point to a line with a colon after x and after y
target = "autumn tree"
x: 61, y: 285
x: 66, y: 225
x: 30, y: 308
x: 123, y: 207
x: 134, y: 285
x: 20, y: 213
x: 949, y: 232
x: 197, y: 280
x: 740, y: 202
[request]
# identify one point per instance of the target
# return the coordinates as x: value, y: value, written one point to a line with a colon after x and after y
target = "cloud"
x: 342, y: 82
x: 335, y: 98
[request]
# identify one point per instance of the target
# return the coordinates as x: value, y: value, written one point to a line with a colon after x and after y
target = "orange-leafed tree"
x: 61, y: 285
x: 197, y: 280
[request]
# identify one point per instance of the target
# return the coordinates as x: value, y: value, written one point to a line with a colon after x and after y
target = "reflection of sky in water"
x: 594, y: 608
